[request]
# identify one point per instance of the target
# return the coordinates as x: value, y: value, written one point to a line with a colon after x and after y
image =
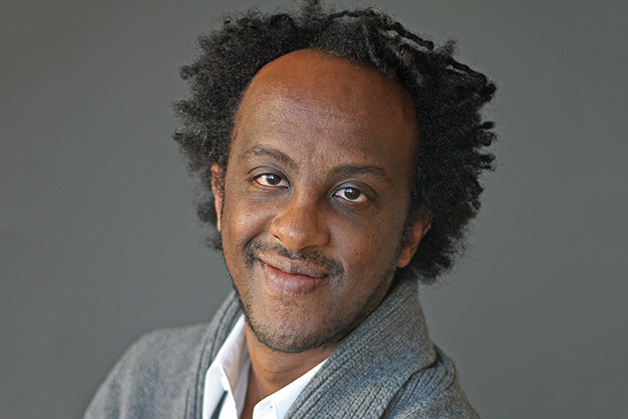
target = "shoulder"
x: 163, y: 350
x: 152, y: 376
x: 160, y: 374
x: 433, y: 392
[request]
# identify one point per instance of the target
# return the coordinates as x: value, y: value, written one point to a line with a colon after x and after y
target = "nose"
x: 299, y: 225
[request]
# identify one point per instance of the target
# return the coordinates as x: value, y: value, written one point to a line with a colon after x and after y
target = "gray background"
x: 99, y: 242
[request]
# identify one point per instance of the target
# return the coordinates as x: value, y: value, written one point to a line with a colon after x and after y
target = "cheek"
x: 368, y: 250
x: 242, y: 221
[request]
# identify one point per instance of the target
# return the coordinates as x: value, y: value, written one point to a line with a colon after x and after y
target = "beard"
x: 282, y: 332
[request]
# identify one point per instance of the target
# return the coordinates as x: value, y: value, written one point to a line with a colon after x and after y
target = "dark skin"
x: 313, y: 207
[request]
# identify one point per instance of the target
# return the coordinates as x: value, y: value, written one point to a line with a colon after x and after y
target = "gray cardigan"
x: 387, y: 367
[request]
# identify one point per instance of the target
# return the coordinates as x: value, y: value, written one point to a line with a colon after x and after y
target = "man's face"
x: 315, y: 197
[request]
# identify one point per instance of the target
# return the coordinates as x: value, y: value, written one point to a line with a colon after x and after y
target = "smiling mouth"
x: 289, y: 278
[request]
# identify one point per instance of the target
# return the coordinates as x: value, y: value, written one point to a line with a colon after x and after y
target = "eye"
x: 351, y: 194
x: 271, y: 179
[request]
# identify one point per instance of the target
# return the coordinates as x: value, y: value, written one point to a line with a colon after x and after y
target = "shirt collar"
x: 230, y: 372
x: 281, y: 400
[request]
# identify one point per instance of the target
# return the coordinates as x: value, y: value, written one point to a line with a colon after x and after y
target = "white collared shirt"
x: 230, y: 372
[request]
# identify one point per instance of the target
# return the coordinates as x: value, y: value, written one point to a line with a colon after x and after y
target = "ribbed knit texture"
x: 387, y: 367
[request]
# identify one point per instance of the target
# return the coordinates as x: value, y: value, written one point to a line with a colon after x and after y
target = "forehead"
x: 322, y: 102
x: 315, y: 75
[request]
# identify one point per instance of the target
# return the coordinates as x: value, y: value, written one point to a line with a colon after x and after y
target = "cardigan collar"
x: 369, y: 367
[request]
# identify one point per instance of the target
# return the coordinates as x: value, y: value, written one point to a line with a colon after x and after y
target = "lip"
x: 291, y: 278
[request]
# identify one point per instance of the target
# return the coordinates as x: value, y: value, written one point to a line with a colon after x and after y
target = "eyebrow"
x: 265, y: 151
x: 362, y: 170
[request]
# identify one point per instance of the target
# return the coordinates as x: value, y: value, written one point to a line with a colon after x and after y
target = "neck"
x: 272, y: 370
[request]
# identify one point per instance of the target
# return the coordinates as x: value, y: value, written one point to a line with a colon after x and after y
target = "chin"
x: 288, y: 334
x: 294, y: 342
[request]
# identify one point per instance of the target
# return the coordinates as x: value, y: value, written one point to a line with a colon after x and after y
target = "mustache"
x: 311, y: 257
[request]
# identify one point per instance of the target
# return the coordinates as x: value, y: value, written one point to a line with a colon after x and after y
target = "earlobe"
x: 412, y: 238
x: 218, y: 191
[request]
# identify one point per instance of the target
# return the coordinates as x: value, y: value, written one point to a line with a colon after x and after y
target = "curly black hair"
x: 446, y: 94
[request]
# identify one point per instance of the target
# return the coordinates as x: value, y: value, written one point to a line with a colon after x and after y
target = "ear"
x: 218, y: 185
x: 412, y: 237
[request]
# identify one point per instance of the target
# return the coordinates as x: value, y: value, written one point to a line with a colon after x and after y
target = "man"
x: 343, y: 154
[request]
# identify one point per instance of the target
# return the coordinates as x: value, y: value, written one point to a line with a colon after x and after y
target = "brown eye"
x: 351, y: 194
x: 270, y: 179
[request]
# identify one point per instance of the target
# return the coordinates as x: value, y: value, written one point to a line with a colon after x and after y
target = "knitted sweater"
x: 386, y: 368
